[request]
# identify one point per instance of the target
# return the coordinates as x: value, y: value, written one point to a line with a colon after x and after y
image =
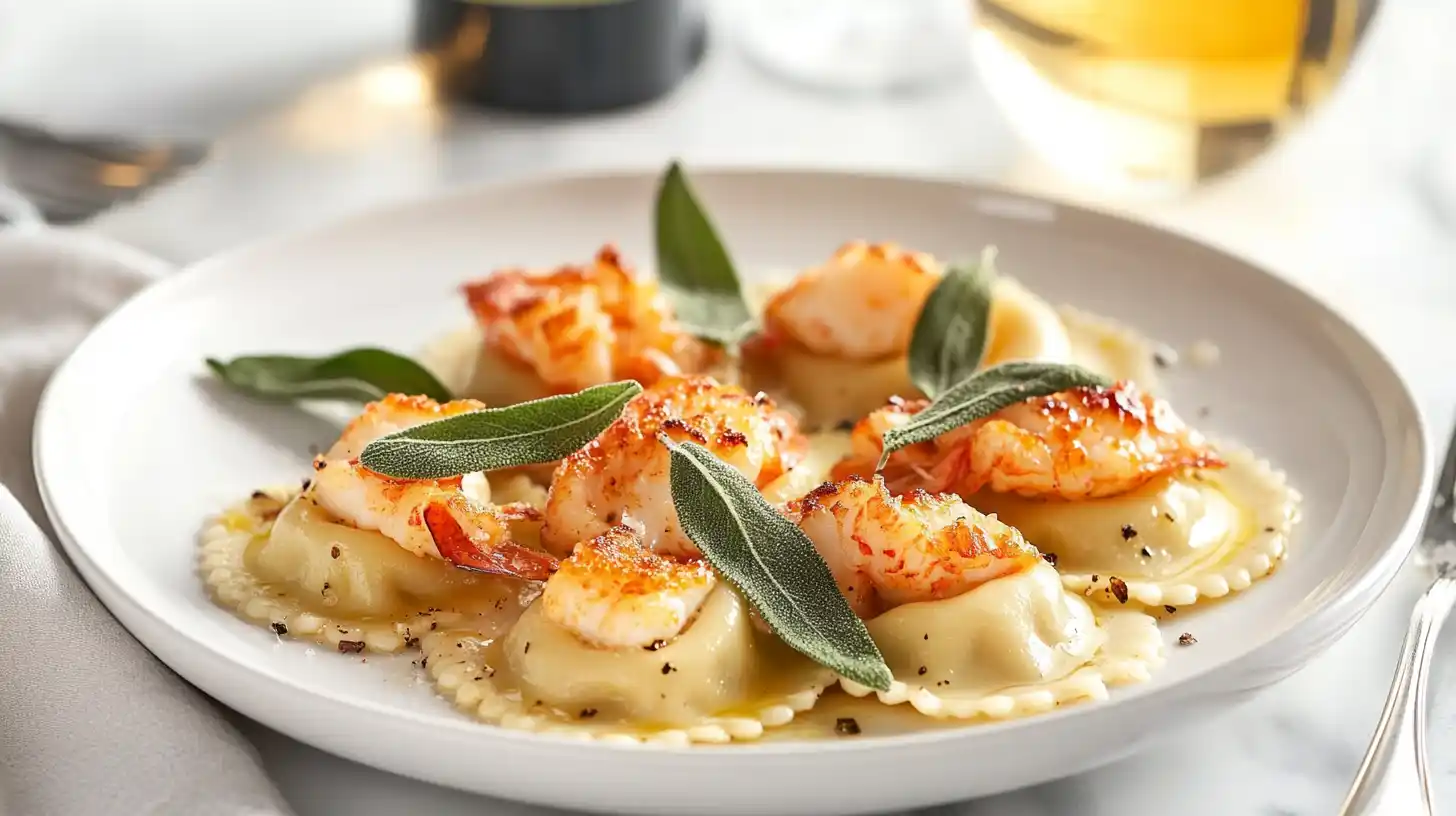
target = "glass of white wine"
x: 1160, y: 95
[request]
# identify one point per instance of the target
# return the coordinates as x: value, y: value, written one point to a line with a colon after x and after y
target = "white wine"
x: 1161, y: 93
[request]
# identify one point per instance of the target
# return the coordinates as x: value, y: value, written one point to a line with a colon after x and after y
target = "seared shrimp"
x: 1084, y: 443
x: 860, y: 305
x: 580, y: 326
x: 613, y: 591
x: 885, y: 550
x: 395, y: 412
x: 622, y: 475
x: 451, y: 519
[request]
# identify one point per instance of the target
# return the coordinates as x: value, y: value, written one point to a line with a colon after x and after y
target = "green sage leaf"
x: 984, y: 393
x: 696, y: 272
x: 951, y: 331
x: 361, y: 375
x: 526, y: 433
x: 772, y: 562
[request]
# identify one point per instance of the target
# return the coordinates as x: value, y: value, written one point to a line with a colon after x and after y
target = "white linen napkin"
x: 90, y: 721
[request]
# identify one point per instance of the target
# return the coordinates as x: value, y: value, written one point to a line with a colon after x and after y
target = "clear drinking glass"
x: 1160, y: 94
x: 855, y: 46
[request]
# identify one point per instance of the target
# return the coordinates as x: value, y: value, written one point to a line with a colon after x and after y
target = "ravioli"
x: 825, y: 448
x: 1013, y: 646
x: 1199, y: 534
x: 721, y: 679
x: 1111, y: 348
x: 282, y: 561
x: 470, y: 368
x: 1035, y: 637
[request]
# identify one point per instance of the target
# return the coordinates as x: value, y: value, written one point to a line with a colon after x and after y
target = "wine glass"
x: 1160, y: 95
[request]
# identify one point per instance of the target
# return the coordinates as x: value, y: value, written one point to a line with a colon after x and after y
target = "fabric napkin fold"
x: 90, y: 721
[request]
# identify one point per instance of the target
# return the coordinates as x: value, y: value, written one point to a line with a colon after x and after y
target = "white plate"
x: 133, y: 451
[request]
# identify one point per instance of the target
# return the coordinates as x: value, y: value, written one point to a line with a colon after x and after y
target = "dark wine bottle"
x: 561, y: 56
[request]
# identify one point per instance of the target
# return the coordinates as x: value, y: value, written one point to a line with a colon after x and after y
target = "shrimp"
x: 623, y: 473
x: 615, y: 592
x: 394, y: 413
x: 860, y: 305
x: 1084, y: 443
x: 450, y: 519
x: 580, y: 326
x: 885, y: 551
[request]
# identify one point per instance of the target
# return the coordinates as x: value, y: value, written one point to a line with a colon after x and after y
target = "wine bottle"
x: 560, y: 56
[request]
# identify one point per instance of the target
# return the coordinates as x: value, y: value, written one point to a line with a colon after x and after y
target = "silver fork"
x: 69, y: 180
x: 1394, y: 776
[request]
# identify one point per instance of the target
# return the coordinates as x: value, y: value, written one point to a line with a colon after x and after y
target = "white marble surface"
x: 1359, y: 207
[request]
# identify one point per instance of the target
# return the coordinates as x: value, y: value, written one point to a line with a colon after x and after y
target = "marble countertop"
x: 1359, y: 207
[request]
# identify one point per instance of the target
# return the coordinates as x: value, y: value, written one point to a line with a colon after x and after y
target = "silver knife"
x: 1394, y: 776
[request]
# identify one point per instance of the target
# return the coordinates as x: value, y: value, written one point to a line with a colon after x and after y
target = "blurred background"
x: 236, y: 119
x: 1317, y: 137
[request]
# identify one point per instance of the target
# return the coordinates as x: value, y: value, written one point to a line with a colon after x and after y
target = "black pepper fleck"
x: 526, y: 650
x: 1169, y: 517
x: 1050, y: 558
x: 1160, y: 360
x: 655, y: 645
x: 921, y: 671
x: 588, y: 713
x: 1268, y: 529
x: 279, y: 628
x: 334, y: 551
x: 258, y: 494
x: 1147, y: 553
x: 1169, y: 608
x: 1094, y: 577
x: 411, y: 642
x: 846, y: 726
x: 351, y: 646
x: 1187, y: 639
x: 1119, y: 589
x: 1128, y: 532
x: 668, y: 668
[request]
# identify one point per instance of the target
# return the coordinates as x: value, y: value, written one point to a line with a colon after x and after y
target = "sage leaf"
x: 772, y: 562
x: 984, y: 393
x: 360, y: 375
x: 526, y: 433
x: 951, y: 331
x: 696, y: 273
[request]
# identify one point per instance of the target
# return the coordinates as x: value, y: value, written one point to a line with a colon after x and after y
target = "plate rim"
x: 1372, y: 583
